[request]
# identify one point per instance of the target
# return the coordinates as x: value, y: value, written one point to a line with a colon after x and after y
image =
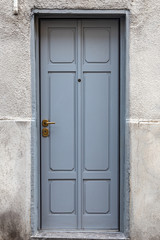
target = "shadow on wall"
x: 10, y: 226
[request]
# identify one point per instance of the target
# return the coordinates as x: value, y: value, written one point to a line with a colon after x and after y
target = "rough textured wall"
x: 14, y: 179
x: 143, y: 114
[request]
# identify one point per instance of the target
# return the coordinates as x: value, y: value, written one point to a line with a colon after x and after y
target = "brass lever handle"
x: 45, y: 123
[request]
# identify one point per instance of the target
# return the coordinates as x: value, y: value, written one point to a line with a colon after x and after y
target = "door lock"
x: 45, y: 132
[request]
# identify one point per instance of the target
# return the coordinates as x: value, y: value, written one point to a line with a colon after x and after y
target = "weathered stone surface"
x: 80, y: 235
x: 145, y: 181
x: 144, y: 60
x: 14, y: 180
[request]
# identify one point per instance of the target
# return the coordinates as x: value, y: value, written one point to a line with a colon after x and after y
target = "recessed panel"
x: 62, y: 111
x: 96, y: 121
x: 62, y: 196
x: 62, y: 45
x: 96, y: 45
x: 96, y: 195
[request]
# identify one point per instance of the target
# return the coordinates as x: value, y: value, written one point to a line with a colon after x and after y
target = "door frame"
x: 123, y: 16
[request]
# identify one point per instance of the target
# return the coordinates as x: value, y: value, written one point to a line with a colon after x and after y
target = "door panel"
x: 79, y: 159
x: 58, y: 104
x: 96, y: 113
x: 62, y: 193
x: 62, y: 110
x: 62, y: 45
x: 96, y: 44
x: 99, y: 191
x: 100, y: 124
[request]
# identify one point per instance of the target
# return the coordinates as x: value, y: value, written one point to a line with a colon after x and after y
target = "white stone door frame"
x: 123, y: 16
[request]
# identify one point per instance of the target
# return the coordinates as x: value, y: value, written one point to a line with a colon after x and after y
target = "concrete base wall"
x: 143, y: 114
x: 15, y: 168
x: 145, y: 180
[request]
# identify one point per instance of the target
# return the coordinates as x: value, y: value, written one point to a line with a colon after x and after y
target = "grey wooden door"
x: 79, y: 62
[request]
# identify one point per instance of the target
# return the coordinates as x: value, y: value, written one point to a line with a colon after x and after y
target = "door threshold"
x: 79, y: 235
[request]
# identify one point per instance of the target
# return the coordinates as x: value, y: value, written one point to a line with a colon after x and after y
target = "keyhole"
x: 79, y: 80
x: 45, y: 132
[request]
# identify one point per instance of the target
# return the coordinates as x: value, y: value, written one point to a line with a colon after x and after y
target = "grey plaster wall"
x: 143, y: 114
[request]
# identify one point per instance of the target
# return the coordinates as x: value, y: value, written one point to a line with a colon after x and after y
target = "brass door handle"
x: 45, y: 123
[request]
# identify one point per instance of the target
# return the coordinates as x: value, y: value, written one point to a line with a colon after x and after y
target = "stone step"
x: 79, y: 235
